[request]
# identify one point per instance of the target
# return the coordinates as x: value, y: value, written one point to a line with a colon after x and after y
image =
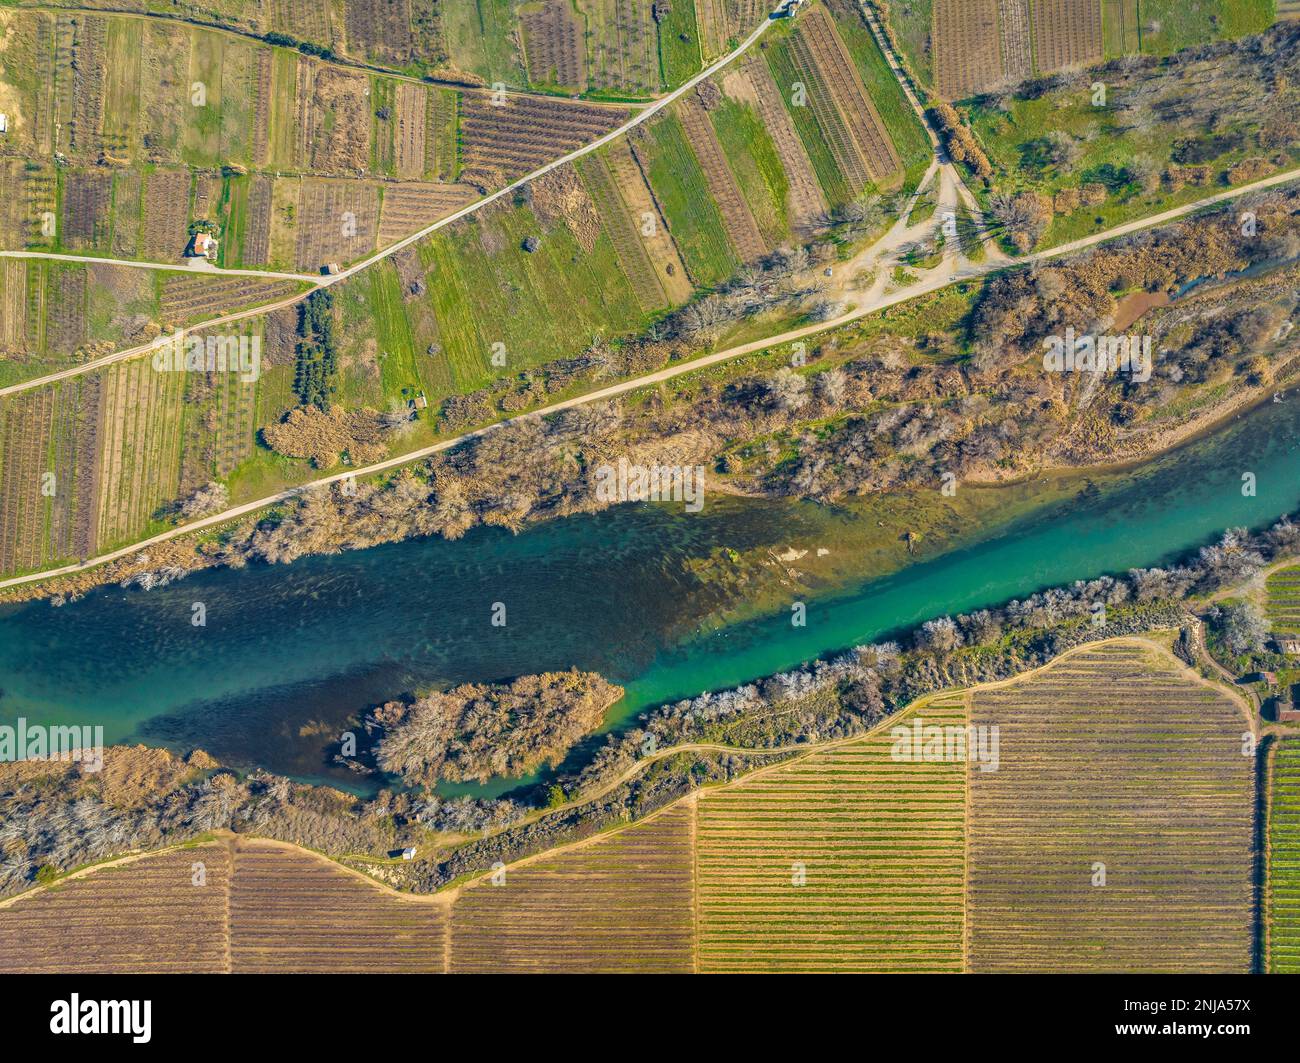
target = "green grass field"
x: 201, y: 140
x: 693, y: 218
x: 479, y: 39
x: 911, y: 23
x: 397, y: 361
x: 754, y: 160
x: 1184, y: 23
x: 284, y: 95
x: 679, y: 44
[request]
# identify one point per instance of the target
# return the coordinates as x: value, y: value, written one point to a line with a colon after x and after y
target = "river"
x: 644, y: 594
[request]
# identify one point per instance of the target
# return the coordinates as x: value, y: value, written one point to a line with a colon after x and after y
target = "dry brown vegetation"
x: 477, y: 731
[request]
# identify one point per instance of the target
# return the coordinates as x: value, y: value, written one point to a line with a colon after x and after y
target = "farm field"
x: 1121, y: 24
x: 968, y: 57
x: 912, y: 24
x: 140, y: 448
x: 1186, y: 23
x: 759, y: 170
x: 682, y: 193
x: 804, y: 202
x: 407, y: 208
x: 619, y: 903
x: 852, y: 109
x: 623, y: 49
x: 895, y: 851
x: 1017, y: 45
x: 292, y: 911
x: 486, y: 289
x: 48, y: 474
x: 906, y: 139
x: 1066, y: 33
x: 1117, y: 833
x: 218, y: 427
x: 847, y: 860
x: 553, y: 44
x: 636, y: 195
x: 1282, y: 909
x: 147, y: 916
x: 626, y: 234
x: 722, y: 186
x: 501, y: 143
x: 1283, y: 605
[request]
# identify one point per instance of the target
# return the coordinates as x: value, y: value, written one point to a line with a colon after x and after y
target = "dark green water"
x: 290, y: 652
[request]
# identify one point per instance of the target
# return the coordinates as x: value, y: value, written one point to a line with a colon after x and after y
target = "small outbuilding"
x: 408, y: 853
x: 1288, y: 645
x: 4, y: 122
x: 1284, y: 707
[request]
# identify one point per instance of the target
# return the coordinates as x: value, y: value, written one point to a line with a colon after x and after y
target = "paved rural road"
x: 943, y: 280
x: 324, y: 282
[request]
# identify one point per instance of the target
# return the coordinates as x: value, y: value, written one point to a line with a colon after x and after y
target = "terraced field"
x: 1283, y: 606
x: 848, y: 860
x: 1117, y: 834
x: 1282, y: 906
x: 619, y: 903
